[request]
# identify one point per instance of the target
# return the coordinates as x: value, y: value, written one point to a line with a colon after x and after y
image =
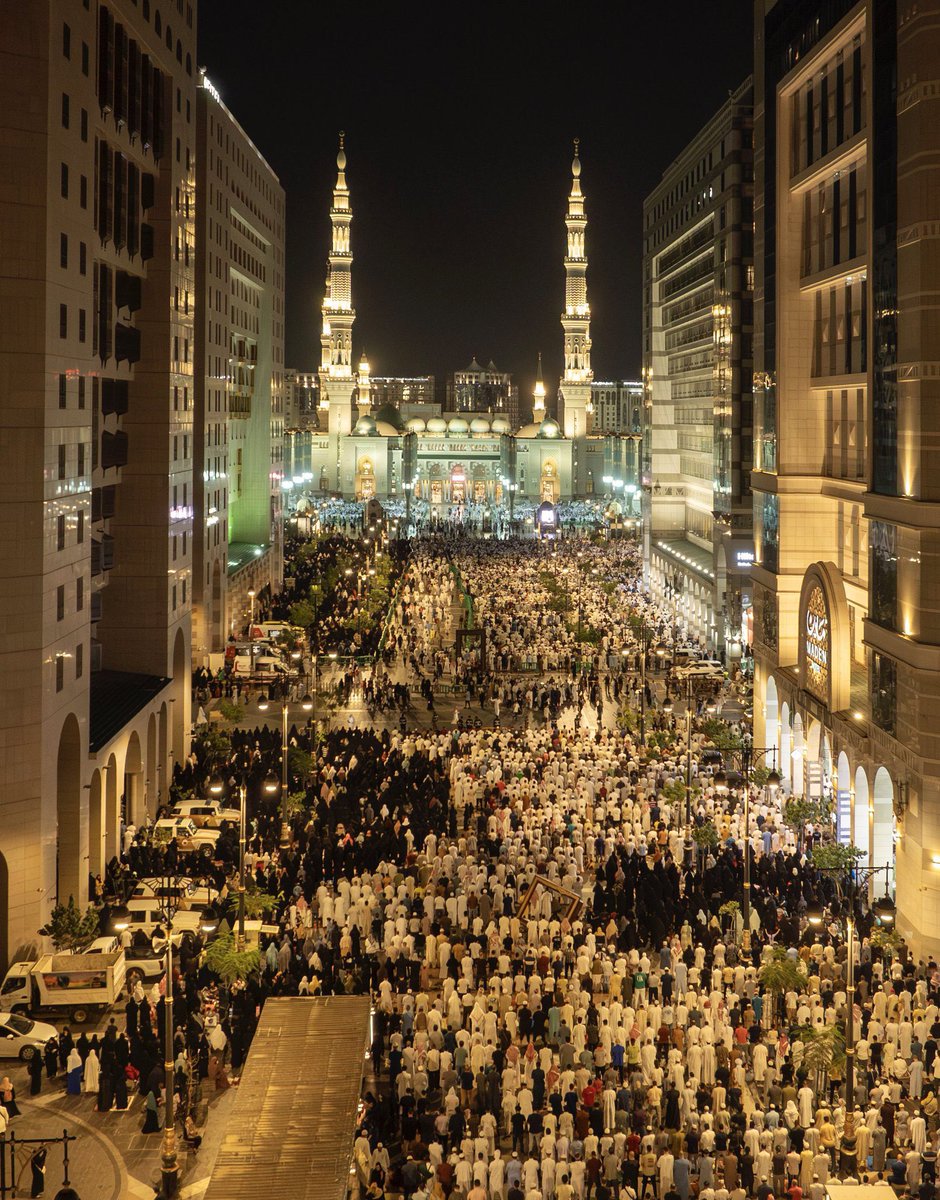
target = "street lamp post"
x: 747, y: 753
x: 121, y: 919
x: 306, y: 704
x: 216, y: 788
x: 885, y: 912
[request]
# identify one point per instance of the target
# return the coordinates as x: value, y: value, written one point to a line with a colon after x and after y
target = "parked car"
x: 188, y: 837
x: 206, y: 813
x: 146, y: 915
x: 186, y: 892
x: 21, y: 1037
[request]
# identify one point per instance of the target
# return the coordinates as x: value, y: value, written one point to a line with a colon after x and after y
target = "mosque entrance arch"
x: 883, y: 828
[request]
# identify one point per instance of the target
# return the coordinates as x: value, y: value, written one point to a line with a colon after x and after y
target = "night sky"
x: 459, y: 120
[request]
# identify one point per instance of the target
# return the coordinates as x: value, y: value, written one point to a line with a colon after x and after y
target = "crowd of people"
x: 568, y: 1001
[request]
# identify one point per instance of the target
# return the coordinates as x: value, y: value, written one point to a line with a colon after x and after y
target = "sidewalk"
x: 112, y: 1159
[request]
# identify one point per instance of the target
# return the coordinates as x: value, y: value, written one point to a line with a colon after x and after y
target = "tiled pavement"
x: 112, y: 1159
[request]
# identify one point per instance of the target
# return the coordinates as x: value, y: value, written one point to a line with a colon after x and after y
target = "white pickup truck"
x: 73, y: 986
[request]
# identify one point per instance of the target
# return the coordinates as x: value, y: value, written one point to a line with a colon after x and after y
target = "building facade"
x: 618, y: 406
x: 847, y: 471
x: 697, y: 367
x: 239, y: 384
x: 97, y: 237
x: 483, y: 390
x: 301, y: 399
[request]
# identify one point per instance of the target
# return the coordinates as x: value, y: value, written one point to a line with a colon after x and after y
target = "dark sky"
x: 459, y: 120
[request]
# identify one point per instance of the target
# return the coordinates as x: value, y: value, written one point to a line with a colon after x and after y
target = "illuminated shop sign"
x: 817, y: 644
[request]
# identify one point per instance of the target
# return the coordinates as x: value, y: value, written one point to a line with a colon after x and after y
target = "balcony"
x: 127, y: 291
x: 113, y: 450
x: 102, y: 554
x: 114, y: 396
x: 102, y: 503
x: 126, y: 343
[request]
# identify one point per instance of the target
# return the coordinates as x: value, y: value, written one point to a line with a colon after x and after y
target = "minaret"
x: 576, y: 319
x: 337, y: 382
x: 538, y: 395
x: 364, y: 389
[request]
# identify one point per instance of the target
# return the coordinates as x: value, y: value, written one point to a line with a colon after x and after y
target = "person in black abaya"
x: 35, y: 1074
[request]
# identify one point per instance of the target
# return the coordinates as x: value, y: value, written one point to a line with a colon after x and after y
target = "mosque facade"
x: 451, y: 458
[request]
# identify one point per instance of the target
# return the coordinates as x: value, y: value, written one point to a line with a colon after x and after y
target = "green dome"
x: 390, y: 414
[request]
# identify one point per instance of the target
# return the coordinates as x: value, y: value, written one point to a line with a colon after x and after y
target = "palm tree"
x: 782, y: 974
x: 823, y: 1049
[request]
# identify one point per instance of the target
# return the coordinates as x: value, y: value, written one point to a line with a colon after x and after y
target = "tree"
x: 823, y: 1049
x: 299, y: 763
x: 71, y: 929
x: 782, y: 974
x: 799, y: 813
x: 223, y: 958
x: 705, y: 836
x: 230, y: 710
x: 302, y: 613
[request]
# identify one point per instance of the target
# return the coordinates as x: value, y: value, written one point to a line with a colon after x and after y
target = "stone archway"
x: 4, y: 915
x: 798, y: 755
x: 883, y: 825
x: 152, y: 772
x: 844, y: 800
x: 860, y: 831
x: 96, y: 825
x: 71, y: 843
x: 133, y: 782
x: 771, y: 724
x: 180, y: 701
x: 112, y: 811
x: 163, y: 754
x: 786, y: 756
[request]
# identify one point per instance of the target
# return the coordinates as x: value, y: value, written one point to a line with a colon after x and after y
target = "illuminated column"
x: 337, y: 383
x: 364, y: 398
x: 576, y: 319
x: 538, y: 396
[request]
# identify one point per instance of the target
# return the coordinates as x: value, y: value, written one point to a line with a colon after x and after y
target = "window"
x: 62, y: 453
x: 60, y: 532
x: 81, y: 526
x: 63, y: 321
x: 59, y: 672
x: 63, y: 250
x: 84, y: 125
x: 63, y: 393
x: 83, y: 191
x: 64, y: 181
x: 79, y: 660
x: 79, y: 594
x: 883, y: 556
x: 65, y: 111
x: 66, y: 42
x: 883, y: 689
x: 80, y: 470
x: 60, y: 602
x: 81, y: 391
x: 82, y: 258
x: 81, y: 324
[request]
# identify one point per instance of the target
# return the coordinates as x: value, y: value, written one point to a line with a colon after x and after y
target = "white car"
x: 188, y: 837
x: 206, y: 813
x: 21, y: 1037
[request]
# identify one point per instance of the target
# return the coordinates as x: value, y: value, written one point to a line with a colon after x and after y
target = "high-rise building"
x: 847, y: 392
x: 239, y: 413
x: 697, y: 335
x: 404, y: 392
x: 618, y: 406
x: 478, y: 389
x: 97, y: 240
x: 301, y: 399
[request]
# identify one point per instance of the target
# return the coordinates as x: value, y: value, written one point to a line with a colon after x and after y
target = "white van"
x: 146, y: 915
x: 207, y: 813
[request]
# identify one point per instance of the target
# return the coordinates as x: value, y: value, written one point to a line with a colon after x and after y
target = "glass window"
x: 883, y: 554
x: 883, y: 679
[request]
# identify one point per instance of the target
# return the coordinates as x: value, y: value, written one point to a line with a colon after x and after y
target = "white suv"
x: 205, y: 813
